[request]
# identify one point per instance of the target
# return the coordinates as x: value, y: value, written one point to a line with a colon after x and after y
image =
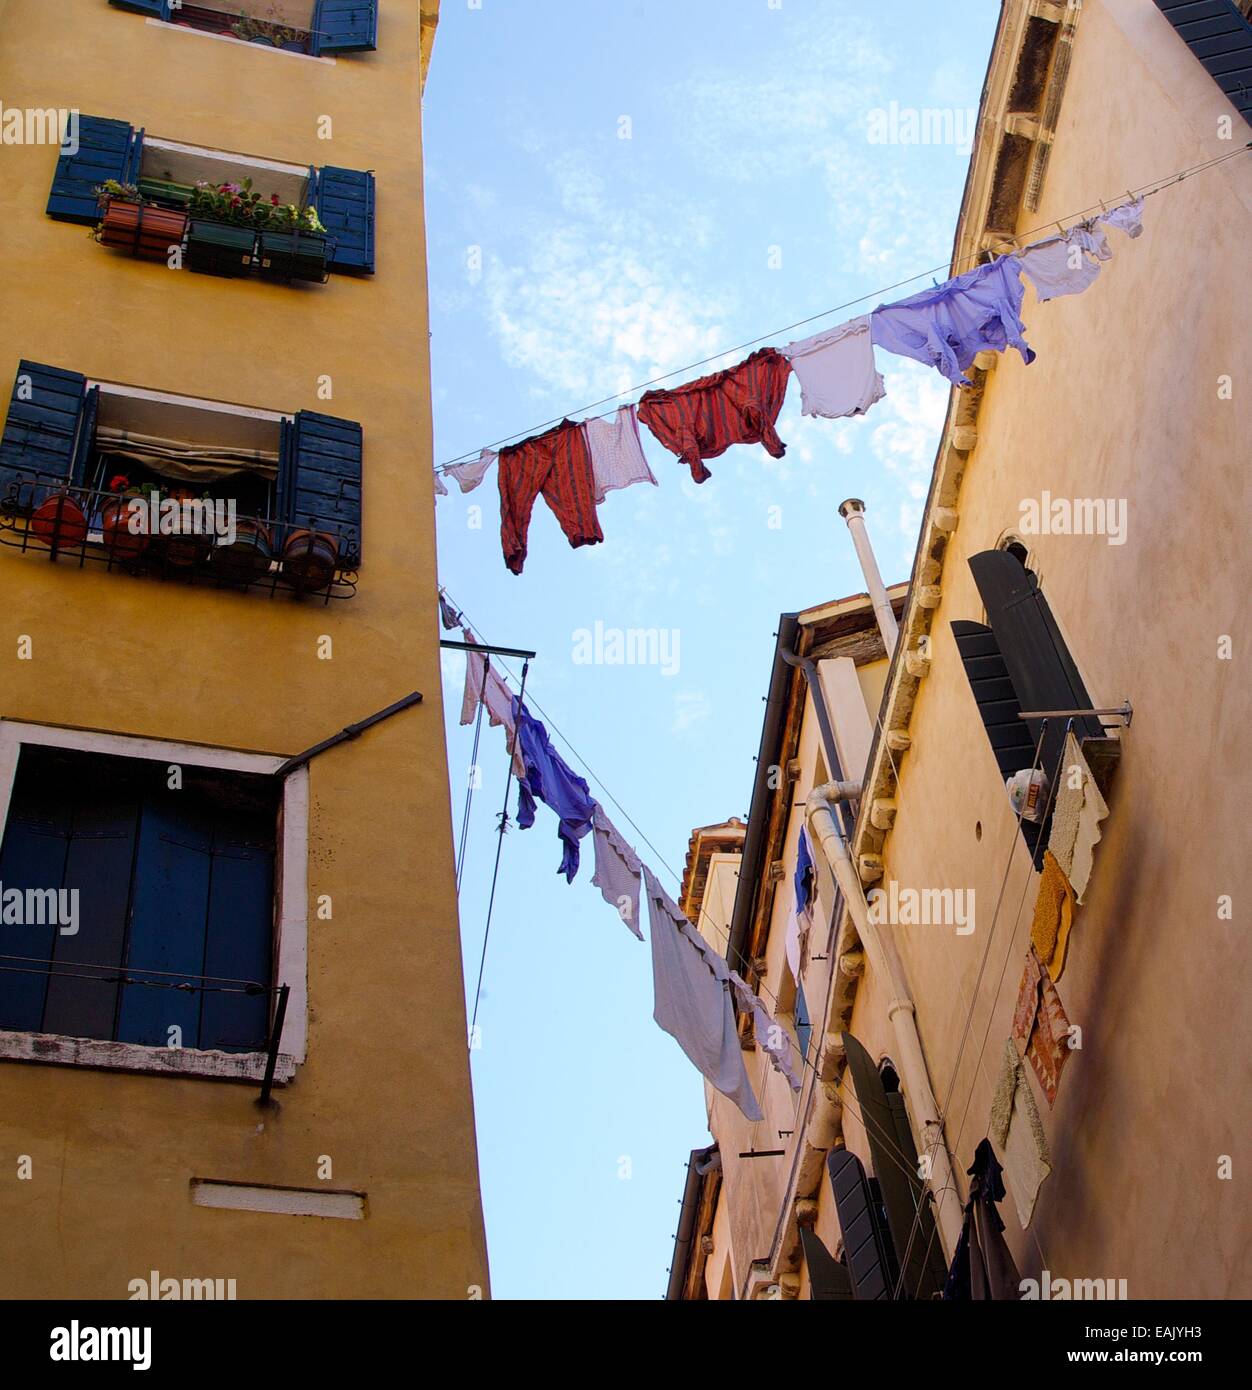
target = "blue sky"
x: 568, y: 263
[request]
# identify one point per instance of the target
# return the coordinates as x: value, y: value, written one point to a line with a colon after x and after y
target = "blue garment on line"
x: 805, y: 874
x: 549, y: 779
x: 947, y: 326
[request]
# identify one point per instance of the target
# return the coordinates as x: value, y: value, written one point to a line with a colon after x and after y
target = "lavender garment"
x: 1059, y: 266
x: 441, y: 489
x: 771, y: 1037
x: 617, y: 870
x: 549, y: 779
x: 691, y: 986
x: 948, y: 326
x: 1128, y: 218
x: 836, y: 370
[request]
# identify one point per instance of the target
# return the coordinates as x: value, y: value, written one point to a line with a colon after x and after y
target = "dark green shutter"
x: 44, y: 426
x: 828, y: 1279
x: 998, y: 708
x: 1038, y: 662
x: 345, y: 26
x: 1221, y: 38
x: 866, y: 1245
x: 344, y: 199
x: 905, y: 1196
x: 107, y: 149
x: 158, y: 9
x: 320, y: 479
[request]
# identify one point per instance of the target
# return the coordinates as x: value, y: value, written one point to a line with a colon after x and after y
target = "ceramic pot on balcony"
x: 121, y: 540
x: 245, y: 558
x: 58, y: 521
x: 309, y: 559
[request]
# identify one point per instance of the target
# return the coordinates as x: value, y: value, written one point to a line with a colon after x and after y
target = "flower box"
x: 294, y: 256
x: 145, y: 231
x: 163, y: 191
x: 219, y: 249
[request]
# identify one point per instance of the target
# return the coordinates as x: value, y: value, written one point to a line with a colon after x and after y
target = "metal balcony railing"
x: 309, y: 557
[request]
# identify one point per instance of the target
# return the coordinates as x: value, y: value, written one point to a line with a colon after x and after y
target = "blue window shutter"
x: 240, y: 937
x: 320, y: 479
x: 33, y: 853
x: 106, y: 150
x: 98, y: 866
x: 168, y: 921
x: 44, y: 425
x: 345, y: 26
x: 158, y: 9
x: 1221, y: 38
x: 344, y: 199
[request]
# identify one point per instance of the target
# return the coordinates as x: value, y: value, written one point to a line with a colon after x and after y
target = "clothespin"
x: 1103, y: 209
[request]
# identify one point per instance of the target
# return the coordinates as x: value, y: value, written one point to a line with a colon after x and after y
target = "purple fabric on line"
x: 948, y: 326
x: 549, y: 779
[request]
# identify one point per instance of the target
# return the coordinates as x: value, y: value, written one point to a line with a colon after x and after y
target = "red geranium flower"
x: 118, y: 482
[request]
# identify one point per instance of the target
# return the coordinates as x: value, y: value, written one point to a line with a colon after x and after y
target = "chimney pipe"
x: 853, y: 512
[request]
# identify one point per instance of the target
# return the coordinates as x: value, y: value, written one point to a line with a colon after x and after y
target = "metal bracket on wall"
x: 1123, y: 711
x: 276, y: 1033
x: 352, y: 731
x: 486, y: 649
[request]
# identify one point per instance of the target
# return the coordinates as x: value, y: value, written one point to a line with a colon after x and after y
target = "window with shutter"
x: 1040, y: 669
x: 297, y: 222
x: 345, y: 26
x: 265, y: 500
x: 998, y: 707
x: 1219, y: 33
x: 43, y: 431
x: 867, y: 1246
x: 97, y: 150
x: 157, y: 9
x: 171, y: 887
x: 828, y: 1279
x: 907, y: 1199
x: 320, y: 480
x: 344, y: 199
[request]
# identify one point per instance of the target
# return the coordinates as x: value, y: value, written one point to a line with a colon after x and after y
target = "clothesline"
x: 1145, y: 191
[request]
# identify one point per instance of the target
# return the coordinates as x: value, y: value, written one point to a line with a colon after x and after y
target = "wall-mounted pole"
x: 853, y: 512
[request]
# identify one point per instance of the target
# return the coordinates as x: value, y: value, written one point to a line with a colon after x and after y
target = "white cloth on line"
x: 617, y: 870
x: 836, y: 369
x: 495, y: 695
x: 771, y: 1037
x: 1018, y: 1133
x: 616, y: 454
x: 691, y: 986
x: 1127, y: 217
x: 469, y: 475
x: 1060, y: 265
x: 441, y: 488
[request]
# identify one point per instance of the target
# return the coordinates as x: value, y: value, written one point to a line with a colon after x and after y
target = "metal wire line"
x: 1146, y: 191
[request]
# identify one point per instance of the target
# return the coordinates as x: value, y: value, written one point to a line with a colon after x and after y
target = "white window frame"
x: 292, y: 914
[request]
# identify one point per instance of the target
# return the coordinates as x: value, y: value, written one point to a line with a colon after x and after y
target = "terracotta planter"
x: 119, y: 540
x: 58, y: 521
x: 247, y: 557
x: 142, y: 229
x: 309, y: 559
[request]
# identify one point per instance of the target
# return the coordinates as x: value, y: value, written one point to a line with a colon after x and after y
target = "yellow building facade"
x: 126, y: 1146
x: 1123, y: 1169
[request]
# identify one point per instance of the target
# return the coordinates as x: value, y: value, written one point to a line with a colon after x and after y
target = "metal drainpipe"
x: 853, y: 512
x: 828, y: 838
x: 831, y: 841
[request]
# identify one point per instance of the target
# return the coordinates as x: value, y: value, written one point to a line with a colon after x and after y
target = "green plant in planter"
x: 124, y: 192
x: 240, y: 205
x: 276, y: 33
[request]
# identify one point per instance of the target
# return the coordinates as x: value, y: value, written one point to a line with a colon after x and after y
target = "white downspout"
x: 853, y: 512
x: 828, y: 839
